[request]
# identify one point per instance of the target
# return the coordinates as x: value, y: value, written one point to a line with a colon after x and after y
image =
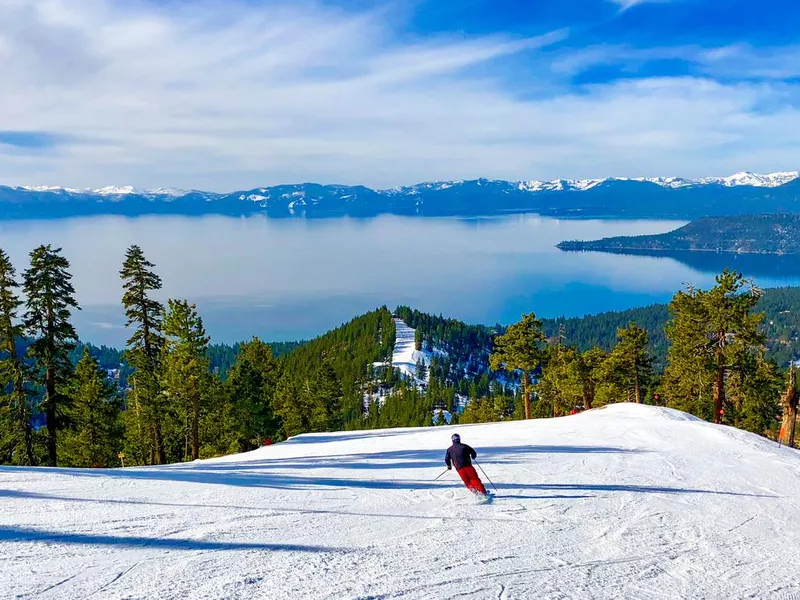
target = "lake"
x: 291, y: 279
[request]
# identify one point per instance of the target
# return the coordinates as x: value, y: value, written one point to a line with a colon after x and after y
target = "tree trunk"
x: 526, y: 394
x: 22, y: 400
x: 138, y: 408
x: 789, y: 402
x: 25, y: 421
x: 162, y: 456
x: 50, y: 411
x: 719, y: 394
x: 153, y: 445
x: 588, y: 398
x: 196, y: 427
x: 637, y: 386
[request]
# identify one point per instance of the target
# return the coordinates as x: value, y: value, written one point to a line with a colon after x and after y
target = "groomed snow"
x: 405, y: 356
x: 623, y: 502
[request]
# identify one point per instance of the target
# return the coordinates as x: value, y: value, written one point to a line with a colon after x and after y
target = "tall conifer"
x: 16, y: 433
x: 711, y: 331
x: 520, y: 348
x: 185, y: 372
x: 96, y: 435
x: 50, y: 299
x: 144, y: 348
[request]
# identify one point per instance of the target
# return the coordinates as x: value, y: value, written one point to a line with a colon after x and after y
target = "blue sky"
x: 235, y: 94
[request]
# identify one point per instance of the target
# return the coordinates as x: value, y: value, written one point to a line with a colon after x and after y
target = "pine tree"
x: 629, y: 364
x: 421, y: 370
x: 50, y: 298
x: 96, y: 437
x: 559, y: 389
x: 251, y: 388
x: 16, y: 431
x: 144, y: 351
x: 590, y: 374
x: 185, y: 368
x: 288, y: 406
x: 520, y: 349
x: 711, y: 333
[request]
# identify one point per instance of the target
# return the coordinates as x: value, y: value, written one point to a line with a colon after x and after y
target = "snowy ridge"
x: 625, y: 501
x: 557, y: 185
x: 110, y: 190
x: 744, y: 178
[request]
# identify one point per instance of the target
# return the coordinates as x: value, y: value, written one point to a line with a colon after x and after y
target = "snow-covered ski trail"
x: 623, y: 502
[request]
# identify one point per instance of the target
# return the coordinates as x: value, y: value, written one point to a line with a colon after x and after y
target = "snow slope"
x: 623, y: 502
x: 405, y: 357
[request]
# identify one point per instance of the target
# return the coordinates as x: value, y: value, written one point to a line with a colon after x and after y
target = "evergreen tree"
x: 50, y: 298
x: 760, y: 402
x: 630, y: 365
x: 310, y: 404
x: 251, y: 388
x: 322, y: 395
x: 559, y: 387
x: 288, y: 406
x: 590, y: 374
x: 520, y: 349
x: 16, y: 431
x: 185, y: 368
x: 95, y: 439
x: 422, y: 370
x: 712, y: 333
x: 144, y: 353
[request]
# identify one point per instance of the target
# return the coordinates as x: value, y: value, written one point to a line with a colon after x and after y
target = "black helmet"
x: 455, y: 438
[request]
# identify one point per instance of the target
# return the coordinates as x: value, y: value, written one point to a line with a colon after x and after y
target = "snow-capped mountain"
x: 753, y: 179
x: 743, y: 178
x: 641, y: 197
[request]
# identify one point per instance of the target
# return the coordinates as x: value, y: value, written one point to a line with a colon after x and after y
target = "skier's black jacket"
x: 460, y: 455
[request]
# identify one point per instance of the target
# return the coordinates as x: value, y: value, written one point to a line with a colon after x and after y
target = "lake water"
x: 290, y: 279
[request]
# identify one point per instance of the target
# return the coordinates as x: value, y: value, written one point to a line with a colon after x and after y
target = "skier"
x: 461, y: 456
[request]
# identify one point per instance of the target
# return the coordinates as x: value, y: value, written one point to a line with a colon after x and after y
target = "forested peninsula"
x: 777, y: 234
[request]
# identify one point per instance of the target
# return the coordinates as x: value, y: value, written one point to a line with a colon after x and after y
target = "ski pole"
x: 484, y: 474
x: 442, y: 473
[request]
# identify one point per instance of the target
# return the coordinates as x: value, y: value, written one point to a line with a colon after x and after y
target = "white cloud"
x: 232, y: 95
x: 626, y: 4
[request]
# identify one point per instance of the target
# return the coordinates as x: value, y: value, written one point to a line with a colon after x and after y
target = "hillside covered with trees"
x: 744, y: 234
x: 172, y: 396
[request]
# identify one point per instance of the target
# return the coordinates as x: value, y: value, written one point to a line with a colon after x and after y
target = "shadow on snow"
x: 270, y: 473
x: 19, y: 534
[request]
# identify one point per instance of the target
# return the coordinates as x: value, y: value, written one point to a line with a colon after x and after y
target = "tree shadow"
x: 639, y: 489
x: 19, y: 534
x: 401, y: 459
x: 268, y: 510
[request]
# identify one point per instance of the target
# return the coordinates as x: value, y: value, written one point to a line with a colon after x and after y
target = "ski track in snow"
x: 622, y: 502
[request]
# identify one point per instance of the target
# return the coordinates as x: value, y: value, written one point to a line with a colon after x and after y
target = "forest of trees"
x: 773, y: 233
x: 173, y: 396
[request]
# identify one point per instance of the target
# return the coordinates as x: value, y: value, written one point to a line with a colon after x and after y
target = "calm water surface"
x: 290, y: 279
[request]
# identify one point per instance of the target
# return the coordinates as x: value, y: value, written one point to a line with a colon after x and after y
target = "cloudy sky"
x: 233, y: 94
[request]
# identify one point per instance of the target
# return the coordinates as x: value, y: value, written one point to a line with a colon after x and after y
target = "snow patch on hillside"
x: 405, y: 356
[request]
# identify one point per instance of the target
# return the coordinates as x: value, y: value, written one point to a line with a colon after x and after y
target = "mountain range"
x: 661, y: 197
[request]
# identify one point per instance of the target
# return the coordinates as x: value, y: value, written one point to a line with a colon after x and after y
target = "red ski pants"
x: 471, y: 479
